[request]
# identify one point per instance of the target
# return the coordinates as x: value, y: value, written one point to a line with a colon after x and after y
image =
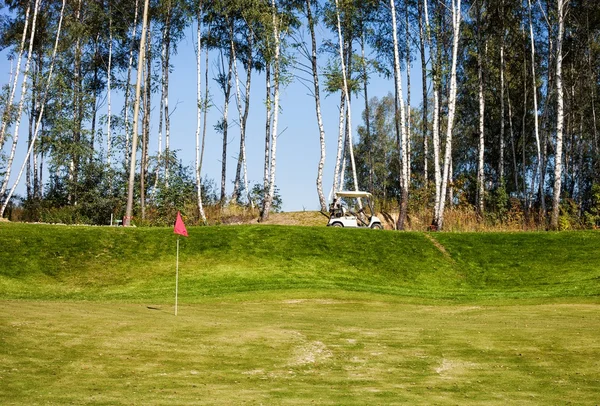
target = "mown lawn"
x: 313, y: 351
x: 297, y: 315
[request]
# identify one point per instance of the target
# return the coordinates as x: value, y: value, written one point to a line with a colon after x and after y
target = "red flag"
x: 179, y: 226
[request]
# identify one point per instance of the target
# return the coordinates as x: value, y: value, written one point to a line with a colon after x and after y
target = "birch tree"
x: 562, y: 4
x: 317, y: 97
x: 6, y: 117
x: 400, y: 125
x: 136, y: 112
x: 199, y: 112
x: 456, y: 20
x: 268, y: 194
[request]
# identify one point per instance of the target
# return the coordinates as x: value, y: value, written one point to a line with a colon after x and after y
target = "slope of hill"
x: 138, y: 264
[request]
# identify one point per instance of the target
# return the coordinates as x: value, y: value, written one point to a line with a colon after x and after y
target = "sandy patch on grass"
x: 449, y: 369
x: 311, y: 353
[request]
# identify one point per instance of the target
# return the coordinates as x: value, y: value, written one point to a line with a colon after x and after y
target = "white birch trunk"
x: 266, y: 177
x: 481, y: 149
x: 109, y: 94
x: 402, y: 125
x: 9, y: 103
x: 340, y: 147
x: 347, y: 96
x: 15, y: 140
x: 166, y: 97
x: 313, y: 60
x: 198, y: 115
x: 268, y: 199
x: 408, y: 107
x: 161, y: 109
x: 128, y: 85
x: 136, y: 112
x: 456, y: 18
x: 238, y: 102
x: 42, y: 104
x: 436, y: 119
x: 501, y: 157
x: 559, y: 116
x: 535, y: 109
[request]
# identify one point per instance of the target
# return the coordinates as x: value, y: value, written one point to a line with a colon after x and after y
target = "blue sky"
x: 298, y: 148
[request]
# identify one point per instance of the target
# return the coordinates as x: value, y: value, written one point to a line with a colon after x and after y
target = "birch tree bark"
x: 317, y: 95
x: 559, y: 116
x: 136, y: 113
x: 425, y: 118
x: 480, y: 161
x: 436, y: 112
x: 338, y: 172
x: 456, y: 19
x: 502, y: 125
x: 166, y: 94
x: 268, y: 198
x: 6, y: 117
x: 347, y: 96
x: 243, y: 106
x: 109, y: 95
x: 198, y: 115
x: 538, y: 170
x: 128, y: 86
x: 400, y: 126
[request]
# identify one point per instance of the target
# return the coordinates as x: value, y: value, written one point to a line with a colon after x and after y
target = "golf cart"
x: 340, y: 215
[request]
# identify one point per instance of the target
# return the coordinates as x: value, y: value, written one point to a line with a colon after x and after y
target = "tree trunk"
x: 538, y: 167
x: 225, y: 127
x: 501, y: 146
x: 436, y: 69
x: 347, y: 96
x: 340, y: 156
x: 146, y: 123
x: 401, y: 135
x: 425, y: 98
x: 128, y: 85
x: 408, y: 107
x: 456, y: 18
x: 198, y: 116
x: 136, y: 112
x: 367, y: 114
x: 166, y: 97
x: 559, y: 116
x: 266, y: 177
x: 315, y: 73
x: 268, y: 198
x: 161, y: 108
x: 6, y: 117
x: 481, y: 157
x: 243, y: 111
x: 109, y: 92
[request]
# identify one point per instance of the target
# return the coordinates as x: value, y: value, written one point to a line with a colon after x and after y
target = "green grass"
x: 297, y: 315
x: 137, y: 265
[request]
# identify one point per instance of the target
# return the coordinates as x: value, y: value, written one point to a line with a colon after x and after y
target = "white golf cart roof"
x: 350, y: 193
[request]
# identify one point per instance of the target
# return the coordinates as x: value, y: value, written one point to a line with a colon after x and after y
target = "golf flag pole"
x: 179, y: 229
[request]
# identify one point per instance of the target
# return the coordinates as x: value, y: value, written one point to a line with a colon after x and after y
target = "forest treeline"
x: 504, y: 133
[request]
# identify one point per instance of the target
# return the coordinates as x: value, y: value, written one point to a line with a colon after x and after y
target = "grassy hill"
x: 282, y: 315
x: 138, y: 264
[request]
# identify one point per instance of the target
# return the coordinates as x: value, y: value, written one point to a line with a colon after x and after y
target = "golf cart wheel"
x: 377, y: 226
x: 337, y: 225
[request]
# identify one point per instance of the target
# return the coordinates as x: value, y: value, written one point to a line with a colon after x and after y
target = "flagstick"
x: 177, y: 276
